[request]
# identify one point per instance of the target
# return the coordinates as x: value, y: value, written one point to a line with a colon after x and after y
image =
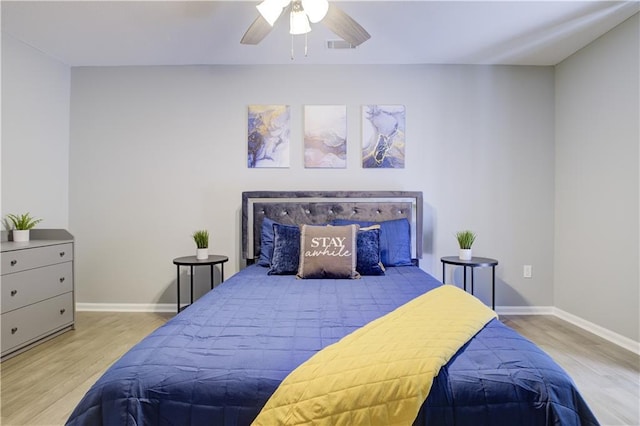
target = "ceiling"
x: 108, y: 33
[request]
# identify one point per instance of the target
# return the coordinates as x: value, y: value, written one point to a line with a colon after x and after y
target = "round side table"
x: 191, y: 262
x: 475, y: 262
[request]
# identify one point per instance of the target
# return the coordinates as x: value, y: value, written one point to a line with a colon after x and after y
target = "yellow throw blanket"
x: 381, y: 373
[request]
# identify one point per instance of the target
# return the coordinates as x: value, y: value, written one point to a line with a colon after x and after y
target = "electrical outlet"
x: 526, y: 271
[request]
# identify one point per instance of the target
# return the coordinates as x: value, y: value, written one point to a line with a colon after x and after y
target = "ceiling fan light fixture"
x: 298, y: 23
x: 301, y: 12
x: 316, y: 10
x: 271, y: 10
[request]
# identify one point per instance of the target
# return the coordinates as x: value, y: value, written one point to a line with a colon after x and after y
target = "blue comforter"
x: 219, y: 360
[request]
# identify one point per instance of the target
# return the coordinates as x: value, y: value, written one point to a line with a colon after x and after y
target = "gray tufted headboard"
x: 318, y: 207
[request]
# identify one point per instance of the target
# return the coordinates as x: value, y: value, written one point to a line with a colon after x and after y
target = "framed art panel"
x: 268, y: 130
x: 325, y: 136
x: 383, y: 136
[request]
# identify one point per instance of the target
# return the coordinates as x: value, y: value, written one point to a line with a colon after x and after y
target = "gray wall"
x: 35, y: 134
x: 597, y: 229
x: 157, y: 152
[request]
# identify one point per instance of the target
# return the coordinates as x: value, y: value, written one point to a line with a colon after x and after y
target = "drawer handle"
x: 14, y: 330
x: 14, y: 292
x: 14, y: 262
x: 61, y: 279
x: 61, y: 254
x: 62, y: 311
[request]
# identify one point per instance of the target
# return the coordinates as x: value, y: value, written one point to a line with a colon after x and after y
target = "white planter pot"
x: 465, y: 254
x: 20, y: 235
x: 202, y: 253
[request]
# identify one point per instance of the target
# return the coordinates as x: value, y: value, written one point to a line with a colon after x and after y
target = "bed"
x: 219, y: 361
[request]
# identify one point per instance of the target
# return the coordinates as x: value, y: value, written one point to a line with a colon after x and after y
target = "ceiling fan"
x: 301, y: 12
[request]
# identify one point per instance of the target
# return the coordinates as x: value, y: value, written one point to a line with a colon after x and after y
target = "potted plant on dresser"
x: 21, y: 225
x: 201, y: 238
x: 465, y: 241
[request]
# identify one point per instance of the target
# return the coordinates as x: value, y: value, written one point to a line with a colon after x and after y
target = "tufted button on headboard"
x: 320, y: 207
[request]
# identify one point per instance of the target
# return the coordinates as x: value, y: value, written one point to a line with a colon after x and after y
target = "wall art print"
x: 325, y: 136
x: 268, y: 136
x: 383, y: 136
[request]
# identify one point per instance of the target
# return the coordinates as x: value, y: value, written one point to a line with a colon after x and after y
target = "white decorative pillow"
x: 328, y: 251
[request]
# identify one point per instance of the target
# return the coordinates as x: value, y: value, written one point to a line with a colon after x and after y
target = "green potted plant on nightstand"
x: 21, y: 225
x: 201, y: 238
x: 465, y: 241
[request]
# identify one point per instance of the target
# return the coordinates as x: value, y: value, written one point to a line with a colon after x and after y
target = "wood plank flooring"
x: 607, y: 376
x: 43, y: 385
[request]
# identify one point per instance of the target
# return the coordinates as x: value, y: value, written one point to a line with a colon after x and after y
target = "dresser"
x: 37, y: 289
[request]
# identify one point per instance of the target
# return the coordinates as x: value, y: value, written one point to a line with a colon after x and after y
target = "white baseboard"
x: 606, y: 334
x: 126, y: 307
x: 611, y: 336
x: 171, y: 307
x: 524, y: 310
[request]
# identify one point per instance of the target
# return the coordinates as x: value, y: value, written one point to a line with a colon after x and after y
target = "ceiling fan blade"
x: 344, y: 26
x: 257, y: 31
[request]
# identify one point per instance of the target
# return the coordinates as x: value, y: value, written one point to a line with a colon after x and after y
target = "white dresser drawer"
x: 34, y: 285
x: 21, y: 260
x: 36, y: 321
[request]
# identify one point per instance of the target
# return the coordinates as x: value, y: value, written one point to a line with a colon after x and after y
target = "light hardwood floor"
x: 43, y: 385
x: 607, y: 376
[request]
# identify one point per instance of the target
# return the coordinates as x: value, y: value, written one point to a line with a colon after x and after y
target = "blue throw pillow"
x: 369, y: 261
x: 266, y: 242
x: 286, y: 250
x: 395, y: 239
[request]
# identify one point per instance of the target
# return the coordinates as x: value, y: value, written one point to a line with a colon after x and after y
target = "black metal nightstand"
x: 191, y: 262
x: 475, y: 262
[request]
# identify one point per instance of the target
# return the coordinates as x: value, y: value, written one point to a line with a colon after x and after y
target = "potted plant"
x: 201, y: 238
x: 465, y: 241
x: 21, y: 224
